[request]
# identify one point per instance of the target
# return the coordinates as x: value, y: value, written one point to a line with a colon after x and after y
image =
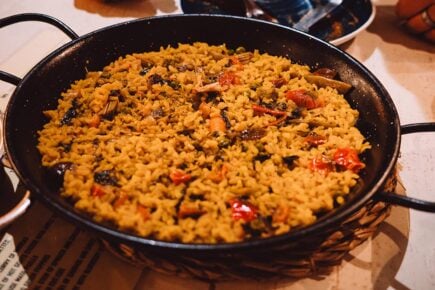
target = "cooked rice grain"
x: 137, y: 142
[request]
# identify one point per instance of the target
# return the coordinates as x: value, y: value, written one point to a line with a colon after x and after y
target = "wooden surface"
x: 402, y: 254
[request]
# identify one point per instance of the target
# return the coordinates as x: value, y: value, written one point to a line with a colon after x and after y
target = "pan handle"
x: 405, y: 201
x: 10, y: 78
x: 21, y: 205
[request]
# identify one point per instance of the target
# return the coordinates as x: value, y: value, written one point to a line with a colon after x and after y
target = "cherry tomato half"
x: 243, y: 210
x: 302, y: 99
x: 348, y: 158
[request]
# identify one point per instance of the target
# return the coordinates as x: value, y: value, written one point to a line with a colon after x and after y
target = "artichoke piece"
x: 109, y: 111
x: 252, y: 134
x: 245, y: 57
x: 321, y: 81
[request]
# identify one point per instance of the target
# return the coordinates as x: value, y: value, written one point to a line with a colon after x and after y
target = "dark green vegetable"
x: 224, y: 143
x: 173, y: 84
x: 262, y: 157
x: 70, y: 114
x: 105, y: 177
x: 157, y: 113
x: 290, y: 161
x: 155, y: 79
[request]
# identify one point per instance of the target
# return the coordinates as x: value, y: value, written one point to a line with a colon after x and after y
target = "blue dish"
x: 344, y: 23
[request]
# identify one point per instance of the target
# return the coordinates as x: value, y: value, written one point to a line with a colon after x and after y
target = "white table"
x: 402, y: 254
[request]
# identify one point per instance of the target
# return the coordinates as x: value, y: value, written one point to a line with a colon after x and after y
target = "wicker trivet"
x: 313, y: 256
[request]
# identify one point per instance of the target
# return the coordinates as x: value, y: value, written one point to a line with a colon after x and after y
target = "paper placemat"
x: 55, y: 254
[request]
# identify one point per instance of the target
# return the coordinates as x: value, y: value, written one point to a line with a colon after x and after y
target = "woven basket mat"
x: 314, y: 257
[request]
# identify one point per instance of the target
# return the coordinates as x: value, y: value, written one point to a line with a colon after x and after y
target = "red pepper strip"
x: 120, y: 200
x: 264, y: 110
x: 179, y: 177
x: 243, y: 210
x: 321, y: 164
x: 277, y: 121
x: 228, y: 78
x: 143, y: 211
x: 97, y: 191
x: 348, y: 159
x: 302, y: 99
x: 315, y: 140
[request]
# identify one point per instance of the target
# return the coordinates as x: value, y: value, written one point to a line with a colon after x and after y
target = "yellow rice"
x: 157, y: 129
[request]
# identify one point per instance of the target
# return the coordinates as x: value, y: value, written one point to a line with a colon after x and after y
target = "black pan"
x: 41, y: 87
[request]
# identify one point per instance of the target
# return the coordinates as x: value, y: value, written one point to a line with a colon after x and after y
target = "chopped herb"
x: 105, y: 177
